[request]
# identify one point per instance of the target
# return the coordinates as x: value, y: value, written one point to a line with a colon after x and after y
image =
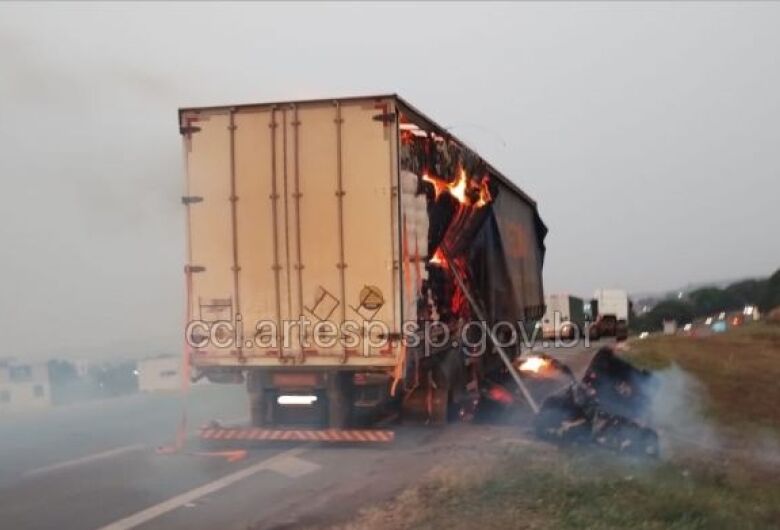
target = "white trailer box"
x: 612, y: 302
x: 569, y: 310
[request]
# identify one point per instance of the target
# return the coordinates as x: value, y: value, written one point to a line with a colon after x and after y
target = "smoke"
x: 678, y: 412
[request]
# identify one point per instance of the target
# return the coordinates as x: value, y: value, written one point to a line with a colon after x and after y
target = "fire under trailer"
x: 374, y: 229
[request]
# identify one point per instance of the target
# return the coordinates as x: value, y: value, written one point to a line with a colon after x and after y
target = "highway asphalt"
x: 97, y: 465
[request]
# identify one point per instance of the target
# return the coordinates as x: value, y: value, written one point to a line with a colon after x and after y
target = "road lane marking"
x: 294, y: 467
x: 83, y: 460
x: 178, y: 501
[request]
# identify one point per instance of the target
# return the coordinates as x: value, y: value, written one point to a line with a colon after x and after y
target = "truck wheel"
x: 255, y: 391
x: 451, y: 380
x: 441, y: 406
x: 256, y: 409
x: 339, y: 403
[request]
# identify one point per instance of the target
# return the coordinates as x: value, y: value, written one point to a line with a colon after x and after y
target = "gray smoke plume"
x: 678, y: 413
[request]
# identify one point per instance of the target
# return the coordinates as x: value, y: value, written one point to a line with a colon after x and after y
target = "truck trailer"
x: 609, y: 309
x: 564, y: 316
x: 332, y: 243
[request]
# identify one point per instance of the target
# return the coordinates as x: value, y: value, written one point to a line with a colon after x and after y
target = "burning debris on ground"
x: 606, y: 408
x: 620, y: 387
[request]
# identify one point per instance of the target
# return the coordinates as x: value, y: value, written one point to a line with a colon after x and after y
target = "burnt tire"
x: 451, y: 393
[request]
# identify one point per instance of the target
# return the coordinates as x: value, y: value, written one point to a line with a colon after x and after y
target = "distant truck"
x: 319, y: 232
x: 670, y: 327
x: 609, y: 314
x: 564, y: 317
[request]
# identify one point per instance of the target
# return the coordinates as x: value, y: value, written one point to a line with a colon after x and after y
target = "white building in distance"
x: 159, y: 374
x: 24, y: 386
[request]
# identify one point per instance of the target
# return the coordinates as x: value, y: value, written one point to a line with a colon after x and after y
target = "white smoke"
x: 678, y: 413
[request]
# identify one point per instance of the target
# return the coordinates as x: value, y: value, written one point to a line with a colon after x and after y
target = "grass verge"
x: 537, y: 486
x: 740, y: 371
x: 551, y: 489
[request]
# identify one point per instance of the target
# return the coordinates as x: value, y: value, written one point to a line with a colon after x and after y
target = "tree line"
x: 709, y: 301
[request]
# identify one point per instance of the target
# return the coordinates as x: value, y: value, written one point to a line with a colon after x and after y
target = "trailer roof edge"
x: 404, y: 103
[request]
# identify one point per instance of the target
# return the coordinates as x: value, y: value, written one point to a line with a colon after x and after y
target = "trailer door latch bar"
x: 188, y: 129
x: 191, y: 199
x: 386, y: 117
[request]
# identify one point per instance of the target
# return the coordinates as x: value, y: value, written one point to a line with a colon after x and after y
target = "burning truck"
x: 332, y: 244
x: 349, y: 259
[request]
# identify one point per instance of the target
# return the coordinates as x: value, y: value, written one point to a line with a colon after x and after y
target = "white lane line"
x: 178, y: 501
x: 294, y: 467
x: 83, y: 460
x: 108, y: 454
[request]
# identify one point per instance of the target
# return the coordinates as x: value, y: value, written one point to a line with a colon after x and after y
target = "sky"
x: 648, y: 133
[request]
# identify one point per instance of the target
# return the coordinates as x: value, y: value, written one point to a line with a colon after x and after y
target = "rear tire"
x: 440, y: 406
x: 451, y: 393
x: 257, y: 403
x: 257, y: 409
x: 339, y: 402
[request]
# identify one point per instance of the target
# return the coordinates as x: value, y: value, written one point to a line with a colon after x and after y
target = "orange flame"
x: 438, y: 258
x: 439, y: 186
x: 484, y: 193
x: 534, y: 364
x: 459, y: 188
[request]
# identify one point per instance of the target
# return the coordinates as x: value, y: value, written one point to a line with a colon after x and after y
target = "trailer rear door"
x: 292, y: 212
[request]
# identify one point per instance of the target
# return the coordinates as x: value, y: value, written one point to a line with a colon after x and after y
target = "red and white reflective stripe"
x: 312, y: 435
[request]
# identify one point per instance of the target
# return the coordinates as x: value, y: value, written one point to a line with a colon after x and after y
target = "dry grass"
x: 740, y: 371
x: 550, y: 489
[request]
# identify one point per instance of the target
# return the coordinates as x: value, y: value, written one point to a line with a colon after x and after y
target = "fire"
x: 484, y: 193
x: 439, y: 186
x: 534, y: 364
x: 459, y: 188
x: 438, y: 258
x: 500, y: 394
